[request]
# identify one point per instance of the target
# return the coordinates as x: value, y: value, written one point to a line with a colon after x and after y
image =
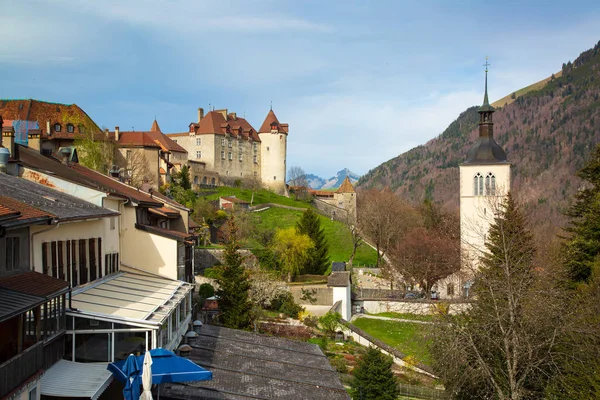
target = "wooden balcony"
x: 19, y: 368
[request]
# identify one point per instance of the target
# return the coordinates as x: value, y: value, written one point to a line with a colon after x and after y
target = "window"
x: 222, y: 154
x: 255, y: 159
x: 274, y: 178
x: 175, y: 140
x: 478, y: 185
x: 33, y: 393
x: 255, y: 147
x: 57, y: 127
x: 490, y: 184
x: 13, y: 251
x: 223, y: 142
x: 230, y: 143
x: 70, y: 128
x: 198, y: 141
x: 450, y: 289
x: 128, y: 155
x: 267, y: 148
x: 198, y: 154
x: 240, y: 156
x: 255, y: 174
x: 196, y: 180
x: 112, y: 223
x: 230, y: 156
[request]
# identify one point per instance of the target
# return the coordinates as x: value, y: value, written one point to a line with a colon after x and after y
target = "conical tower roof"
x: 155, y: 127
x: 266, y: 126
x: 346, y: 186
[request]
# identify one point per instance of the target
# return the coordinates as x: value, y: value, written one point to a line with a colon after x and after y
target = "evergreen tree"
x: 583, y: 246
x: 503, y: 347
x: 318, y: 257
x: 373, y: 377
x: 234, y: 286
x: 184, y: 178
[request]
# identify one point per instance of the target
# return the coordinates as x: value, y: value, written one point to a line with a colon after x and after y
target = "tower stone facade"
x: 484, y: 185
x: 273, y: 144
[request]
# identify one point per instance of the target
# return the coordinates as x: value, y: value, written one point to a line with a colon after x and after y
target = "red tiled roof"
x: 25, y: 211
x: 33, y: 283
x: 181, y: 236
x: 7, y: 212
x: 41, y: 111
x: 234, y: 200
x: 216, y: 123
x: 270, y: 120
x: 346, y: 187
x: 135, y: 138
x: 155, y: 127
x: 182, y: 134
x: 165, y: 141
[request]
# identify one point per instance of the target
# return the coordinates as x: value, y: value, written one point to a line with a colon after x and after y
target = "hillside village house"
x: 148, y: 156
x: 122, y: 301
x: 230, y: 148
x: 32, y: 305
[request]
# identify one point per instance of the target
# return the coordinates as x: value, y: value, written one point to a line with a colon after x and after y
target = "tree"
x: 330, y: 323
x: 317, y: 261
x: 430, y: 252
x: 292, y: 250
x: 503, y: 347
x: 583, y: 245
x: 373, y: 377
x: 183, y: 178
x: 95, y: 153
x: 234, y: 286
x: 134, y: 166
x: 384, y: 218
x: 297, y: 177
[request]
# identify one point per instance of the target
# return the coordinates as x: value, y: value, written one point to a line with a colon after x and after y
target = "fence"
x: 421, y: 392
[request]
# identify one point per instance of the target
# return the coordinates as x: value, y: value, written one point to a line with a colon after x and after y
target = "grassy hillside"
x: 337, y: 234
x: 261, y: 196
x: 508, y: 99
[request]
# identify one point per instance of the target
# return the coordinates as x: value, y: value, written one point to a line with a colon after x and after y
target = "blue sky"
x: 359, y: 82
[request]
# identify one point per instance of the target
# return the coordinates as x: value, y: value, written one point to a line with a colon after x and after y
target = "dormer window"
x: 57, y: 127
x: 70, y: 128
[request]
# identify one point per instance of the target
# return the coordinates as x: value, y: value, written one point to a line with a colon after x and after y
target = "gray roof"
x: 341, y: 279
x: 338, y: 266
x: 65, y: 207
x: 13, y: 303
x: 486, y: 151
x: 252, y: 366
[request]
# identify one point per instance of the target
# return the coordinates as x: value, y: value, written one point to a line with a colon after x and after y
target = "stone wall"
x: 422, y: 307
x: 322, y: 294
x: 331, y: 211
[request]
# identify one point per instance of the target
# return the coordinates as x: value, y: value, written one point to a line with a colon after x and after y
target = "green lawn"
x: 414, y: 317
x: 407, y: 337
x: 338, y: 235
x: 261, y: 196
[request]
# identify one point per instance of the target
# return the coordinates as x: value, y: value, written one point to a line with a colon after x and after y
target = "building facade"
x: 230, y: 148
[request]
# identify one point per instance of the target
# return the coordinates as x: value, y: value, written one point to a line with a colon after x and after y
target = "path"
x: 356, y: 316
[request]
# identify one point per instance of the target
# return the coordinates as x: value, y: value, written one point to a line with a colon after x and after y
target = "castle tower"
x: 273, y: 151
x: 345, y: 197
x: 484, y: 184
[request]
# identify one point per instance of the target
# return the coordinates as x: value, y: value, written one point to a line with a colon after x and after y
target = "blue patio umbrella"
x: 132, y: 377
x: 166, y: 367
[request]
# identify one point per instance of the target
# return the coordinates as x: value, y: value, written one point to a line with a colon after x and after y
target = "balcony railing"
x: 19, y: 368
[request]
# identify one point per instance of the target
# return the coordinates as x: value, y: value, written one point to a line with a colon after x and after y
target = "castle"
x: 222, y: 146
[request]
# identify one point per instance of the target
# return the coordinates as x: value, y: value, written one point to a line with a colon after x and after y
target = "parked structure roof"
x: 246, y: 365
x: 128, y: 296
x: 62, y: 205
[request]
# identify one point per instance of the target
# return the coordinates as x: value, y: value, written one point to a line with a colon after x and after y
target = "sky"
x: 359, y: 82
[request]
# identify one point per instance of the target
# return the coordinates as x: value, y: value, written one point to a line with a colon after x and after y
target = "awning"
x: 125, y: 295
x: 73, y: 379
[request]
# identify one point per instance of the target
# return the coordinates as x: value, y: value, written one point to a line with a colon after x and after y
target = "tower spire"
x: 485, y: 96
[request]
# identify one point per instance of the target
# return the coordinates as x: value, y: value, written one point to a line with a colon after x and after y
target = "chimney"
x: 34, y: 139
x: 106, y: 133
x: 116, y: 133
x: 8, y: 139
x: 200, y: 114
x: 48, y: 131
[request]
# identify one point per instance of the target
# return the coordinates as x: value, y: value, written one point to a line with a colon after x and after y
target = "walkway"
x: 356, y: 316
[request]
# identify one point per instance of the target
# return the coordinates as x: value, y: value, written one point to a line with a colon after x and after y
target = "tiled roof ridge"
x: 41, y: 101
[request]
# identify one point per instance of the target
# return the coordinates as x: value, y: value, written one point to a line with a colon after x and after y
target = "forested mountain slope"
x: 547, y: 135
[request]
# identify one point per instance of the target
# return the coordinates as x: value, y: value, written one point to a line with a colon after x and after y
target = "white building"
x: 484, y: 184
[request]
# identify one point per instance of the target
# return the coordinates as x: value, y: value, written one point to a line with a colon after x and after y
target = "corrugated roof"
x: 65, y: 207
x: 126, y: 295
x: 14, y: 303
x: 73, y: 379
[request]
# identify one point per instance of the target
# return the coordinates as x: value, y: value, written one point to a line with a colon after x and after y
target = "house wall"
x: 23, y: 235
x: 23, y: 392
x: 343, y: 294
x: 147, y: 251
x: 76, y: 230
x: 477, y: 212
x: 199, y: 174
x: 273, y: 151
x: 152, y: 161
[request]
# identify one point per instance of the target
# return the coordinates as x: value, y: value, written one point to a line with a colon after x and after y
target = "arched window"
x: 490, y: 184
x: 478, y: 185
x: 195, y: 180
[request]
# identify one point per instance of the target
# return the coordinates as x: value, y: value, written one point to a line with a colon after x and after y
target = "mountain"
x: 316, y: 182
x: 547, y: 134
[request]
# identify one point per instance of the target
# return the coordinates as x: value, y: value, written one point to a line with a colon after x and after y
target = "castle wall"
x: 273, y: 162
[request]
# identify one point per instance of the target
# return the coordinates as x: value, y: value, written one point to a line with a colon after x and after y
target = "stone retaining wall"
x: 422, y: 307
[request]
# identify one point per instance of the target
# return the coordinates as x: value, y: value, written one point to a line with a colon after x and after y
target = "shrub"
x: 284, y: 303
x: 330, y: 323
x: 211, y: 273
x: 206, y: 290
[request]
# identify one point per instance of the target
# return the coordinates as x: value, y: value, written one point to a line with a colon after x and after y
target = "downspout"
x: 55, y: 224
x: 121, y: 217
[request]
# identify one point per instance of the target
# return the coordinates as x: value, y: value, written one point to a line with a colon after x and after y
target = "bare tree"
x: 297, y: 177
x: 384, y: 218
x: 135, y: 167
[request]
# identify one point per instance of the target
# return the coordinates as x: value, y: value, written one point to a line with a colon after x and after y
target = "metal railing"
x: 18, y: 369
